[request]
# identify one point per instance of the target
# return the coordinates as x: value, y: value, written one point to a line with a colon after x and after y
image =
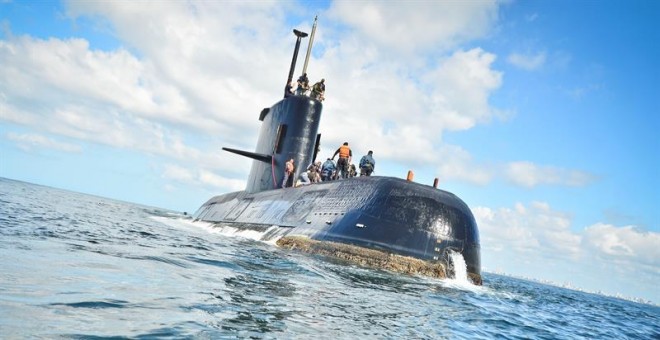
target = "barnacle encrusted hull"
x: 364, y: 256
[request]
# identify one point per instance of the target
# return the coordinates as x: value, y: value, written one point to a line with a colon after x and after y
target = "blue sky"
x: 541, y: 115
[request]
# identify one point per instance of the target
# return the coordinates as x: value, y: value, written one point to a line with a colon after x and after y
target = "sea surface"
x: 86, y: 267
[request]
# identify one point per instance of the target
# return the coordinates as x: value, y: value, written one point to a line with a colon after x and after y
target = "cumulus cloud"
x: 527, y: 229
x: 626, y: 243
x: 527, y: 62
x: 377, y: 105
x: 517, y: 239
x: 456, y: 163
x: 30, y: 141
x: 528, y: 174
x: 192, y: 77
x: 462, y: 86
x: 207, y: 69
x: 418, y: 25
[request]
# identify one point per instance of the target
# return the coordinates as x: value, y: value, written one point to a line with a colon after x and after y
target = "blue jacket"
x: 367, y: 159
x: 328, y: 166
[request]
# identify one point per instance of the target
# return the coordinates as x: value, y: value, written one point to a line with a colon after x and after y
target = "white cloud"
x: 201, y: 177
x: 462, y: 85
x: 418, y: 25
x: 373, y: 104
x: 528, y: 174
x: 527, y: 240
x: 527, y: 229
x: 207, y: 69
x: 207, y: 177
x: 178, y: 173
x: 202, y: 71
x: 527, y: 62
x: 624, y: 243
x: 29, y: 141
x: 456, y: 163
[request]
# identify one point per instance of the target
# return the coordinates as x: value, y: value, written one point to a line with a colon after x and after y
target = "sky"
x: 541, y: 115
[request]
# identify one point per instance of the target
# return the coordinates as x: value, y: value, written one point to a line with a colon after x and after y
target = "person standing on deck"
x: 345, y: 155
x: 288, y: 170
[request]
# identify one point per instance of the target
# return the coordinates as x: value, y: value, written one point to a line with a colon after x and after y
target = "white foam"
x: 243, y: 233
x: 213, y: 228
x: 460, y: 280
x: 460, y: 267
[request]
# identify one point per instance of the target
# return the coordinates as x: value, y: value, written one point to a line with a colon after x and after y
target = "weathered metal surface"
x: 364, y: 256
x: 301, y: 115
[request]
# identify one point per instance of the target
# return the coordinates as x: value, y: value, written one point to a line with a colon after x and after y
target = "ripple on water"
x: 81, y: 266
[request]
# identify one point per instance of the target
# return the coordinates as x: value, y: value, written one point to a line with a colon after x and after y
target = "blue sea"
x: 87, y: 267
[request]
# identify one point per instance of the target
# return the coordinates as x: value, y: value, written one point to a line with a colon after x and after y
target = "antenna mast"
x: 309, y: 47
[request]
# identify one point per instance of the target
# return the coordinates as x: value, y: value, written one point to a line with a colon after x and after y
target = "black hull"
x: 381, y: 213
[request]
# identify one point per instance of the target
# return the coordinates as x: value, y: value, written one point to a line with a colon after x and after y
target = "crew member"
x: 318, y: 90
x: 303, y: 84
x: 304, y: 179
x: 328, y: 170
x: 288, y: 170
x: 288, y: 90
x: 367, y: 164
x: 314, y: 172
x: 345, y: 155
x: 352, y: 172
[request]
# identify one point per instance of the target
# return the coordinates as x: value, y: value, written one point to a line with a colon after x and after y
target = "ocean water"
x: 85, y: 267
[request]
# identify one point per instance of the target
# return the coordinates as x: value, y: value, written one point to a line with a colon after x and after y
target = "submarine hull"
x: 367, y: 218
x: 380, y: 213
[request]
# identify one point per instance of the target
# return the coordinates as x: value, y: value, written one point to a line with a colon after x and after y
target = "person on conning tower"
x: 303, y: 85
x: 318, y: 90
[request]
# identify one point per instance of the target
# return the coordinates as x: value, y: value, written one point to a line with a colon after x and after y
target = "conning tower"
x: 288, y: 131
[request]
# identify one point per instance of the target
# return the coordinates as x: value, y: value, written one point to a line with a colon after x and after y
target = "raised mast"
x: 299, y: 35
x: 309, y: 47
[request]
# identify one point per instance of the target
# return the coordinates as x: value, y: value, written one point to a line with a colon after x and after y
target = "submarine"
x: 387, y: 222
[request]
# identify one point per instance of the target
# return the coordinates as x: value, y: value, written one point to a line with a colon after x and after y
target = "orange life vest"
x: 344, y: 151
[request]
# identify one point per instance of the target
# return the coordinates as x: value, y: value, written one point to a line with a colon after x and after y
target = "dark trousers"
x: 342, y: 167
x: 366, y: 170
x: 287, y: 181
